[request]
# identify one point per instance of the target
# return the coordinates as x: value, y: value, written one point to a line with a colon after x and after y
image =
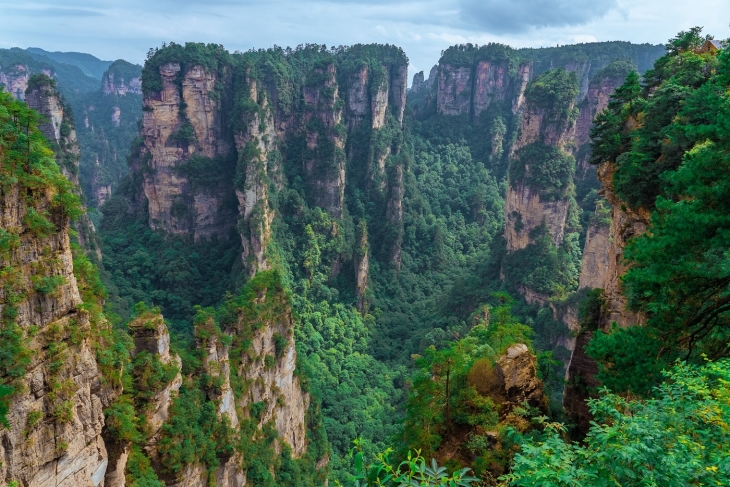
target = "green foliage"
x: 170, y: 272
x: 103, y: 142
x: 673, y: 160
x: 468, y: 55
x: 550, y: 170
x: 458, y: 389
x: 541, y: 266
x: 5, y: 394
x: 48, y: 284
x: 593, y: 56
x: 47, y: 199
x: 554, y: 91
x: 643, y: 131
x: 412, y: 471
x: 209, y: 57
x: 139, y: 472
x: 679, y: 438
x: 194, y: 432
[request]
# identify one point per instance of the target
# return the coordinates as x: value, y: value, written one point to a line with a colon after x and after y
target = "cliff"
x: 107, y: 124
x: 540, y: 195
x: 218, y: 141
x: 122, y: 78
x: 52, y: 329
x: 470, y: 80
x: 181, y: 125
x: 57, y: 124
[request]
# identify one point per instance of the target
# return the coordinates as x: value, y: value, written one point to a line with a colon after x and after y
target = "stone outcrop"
x: 114, y: 83
x: 172, y: 135
x: 525, y: 209
x: 491, y: 84
x: 362, y: 266
x: 325, y: 167
x: 15, y: 80
x: 517, y: 368
x: 626, y: 223
x: 277, y: 385
x: 56, y: 416
x: 255, y: 216
x: 417, y: 85
x: 467, y: 90
x: 602, y: 268
x: 58, y: 126
x: 454, y: 90
x: 150, y: 335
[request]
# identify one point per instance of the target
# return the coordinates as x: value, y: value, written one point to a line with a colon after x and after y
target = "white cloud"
x: 128, y: 28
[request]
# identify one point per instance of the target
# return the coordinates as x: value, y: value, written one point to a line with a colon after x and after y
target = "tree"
x: 680, y: 438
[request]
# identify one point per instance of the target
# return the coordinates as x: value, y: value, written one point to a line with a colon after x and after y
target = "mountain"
x: 16, y: 66
x: 90, y: 65
x: 302, y: 253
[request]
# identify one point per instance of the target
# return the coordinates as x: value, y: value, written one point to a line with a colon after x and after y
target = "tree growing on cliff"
x: 682, y: 437
x: 672, y: 154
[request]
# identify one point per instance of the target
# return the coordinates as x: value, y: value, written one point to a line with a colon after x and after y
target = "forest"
x: 427, y: 262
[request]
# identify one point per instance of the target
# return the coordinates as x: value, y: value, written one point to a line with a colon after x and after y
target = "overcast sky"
x: 112, y: 29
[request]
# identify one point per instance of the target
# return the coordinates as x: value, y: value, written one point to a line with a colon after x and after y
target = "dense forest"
x: 423, y: 261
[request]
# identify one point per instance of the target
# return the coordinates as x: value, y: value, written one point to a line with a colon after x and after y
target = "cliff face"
x: 113, y: 83
x: 219, y: 141
x: 454, y: 90
x: 56, y: 412
x: 15, y: 80
x: 108, y: 123
x: 626, y: 223
x: 58, y: 126
x: 179, y: 122
x: 529, y: 204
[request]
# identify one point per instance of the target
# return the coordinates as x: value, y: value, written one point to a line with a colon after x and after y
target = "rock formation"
x: 217, y: 142
x: 15, y: 80
x: 58, y: 126
x: 56, y: 412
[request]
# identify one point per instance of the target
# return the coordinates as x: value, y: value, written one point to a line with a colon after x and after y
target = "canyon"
x: 304, y: 163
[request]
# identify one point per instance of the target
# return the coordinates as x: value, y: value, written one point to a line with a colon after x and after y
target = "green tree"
x: 681, y: 437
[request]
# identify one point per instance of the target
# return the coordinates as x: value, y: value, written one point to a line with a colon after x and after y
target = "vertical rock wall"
x: 181, y: 121
x: 56, y: 418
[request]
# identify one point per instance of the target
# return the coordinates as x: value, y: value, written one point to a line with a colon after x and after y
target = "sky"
x: 126, y: 29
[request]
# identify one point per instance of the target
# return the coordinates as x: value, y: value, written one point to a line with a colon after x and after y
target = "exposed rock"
x: 626, y: 223
x: 269, y: 366
x: 173, y: 207
x: 398, y: 90
x: 394, y: 213
x: 150, y: 335
x: 492, y: 83
x: 116, y: 115
x: 362, y: 266
x: 596, y: 258
x: 15, y: 80
x: 58, y: 127
x: 113, y: 84
x: 524, y: 73
x: 454, y: 90
x: 57, y: 416
x: 518, y: 371
x: 216, y: 364
x: 253, y: 202
x: 325, y: 172
x: 357, y: 97
x: 418, y: 82
x: 524, y: 211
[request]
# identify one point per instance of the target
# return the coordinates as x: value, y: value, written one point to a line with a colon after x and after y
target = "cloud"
x: 516, y: 16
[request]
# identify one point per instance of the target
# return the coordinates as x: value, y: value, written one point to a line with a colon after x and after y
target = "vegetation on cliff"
x: 668, y: 141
